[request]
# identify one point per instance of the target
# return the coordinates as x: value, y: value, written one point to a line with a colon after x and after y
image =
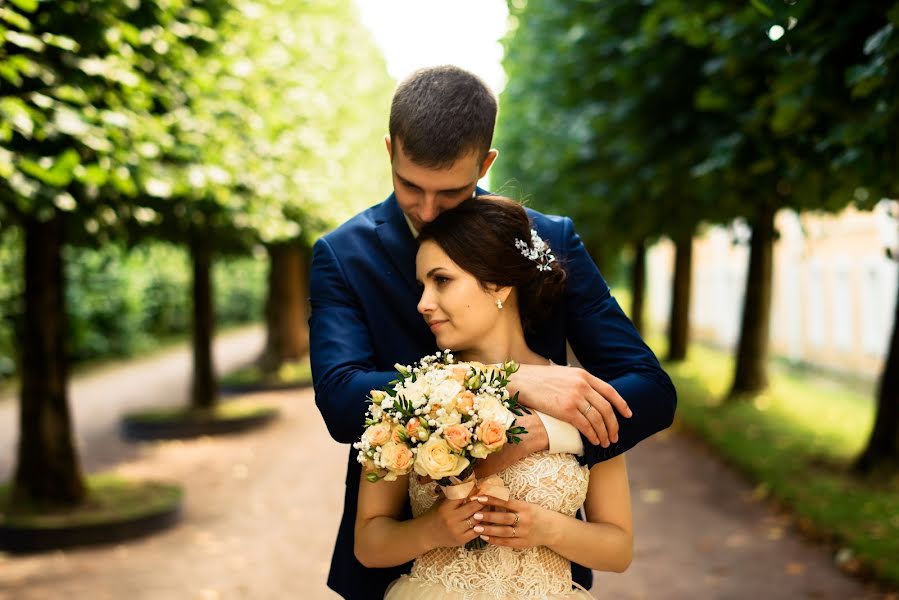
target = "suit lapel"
x: 395, y: 236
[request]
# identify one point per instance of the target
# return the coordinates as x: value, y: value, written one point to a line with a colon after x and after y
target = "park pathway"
x: 98, y: 399
x: 262, y: 508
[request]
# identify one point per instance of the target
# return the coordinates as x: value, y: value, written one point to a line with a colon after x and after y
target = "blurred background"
x: 166, y: 166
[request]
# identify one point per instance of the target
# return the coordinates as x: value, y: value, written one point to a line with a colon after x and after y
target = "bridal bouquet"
x: 438, y: 418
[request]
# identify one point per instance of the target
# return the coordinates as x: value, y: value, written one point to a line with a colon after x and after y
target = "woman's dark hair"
x: 479, y: 235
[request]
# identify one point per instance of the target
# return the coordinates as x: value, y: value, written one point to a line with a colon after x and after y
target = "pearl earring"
x: 499, y: 304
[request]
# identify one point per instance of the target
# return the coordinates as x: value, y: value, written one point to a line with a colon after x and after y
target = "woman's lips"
x: 436, y: 324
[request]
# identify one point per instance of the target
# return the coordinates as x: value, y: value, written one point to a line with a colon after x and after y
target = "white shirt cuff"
x: 563, y: 437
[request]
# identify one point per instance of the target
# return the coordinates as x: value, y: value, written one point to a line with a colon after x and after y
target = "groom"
x: 364, y: 318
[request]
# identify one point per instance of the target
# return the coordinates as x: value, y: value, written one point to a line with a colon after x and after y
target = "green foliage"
x: 122, y: 303
x: 645, y: 118
x: 10, y: 298
x: 239, y: 285
x: 84, y: 85
x: 104, y: 302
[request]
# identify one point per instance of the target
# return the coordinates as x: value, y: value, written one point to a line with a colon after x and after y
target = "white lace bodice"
x: 554, y: 481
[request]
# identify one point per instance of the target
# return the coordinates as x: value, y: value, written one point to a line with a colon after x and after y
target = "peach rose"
x: 465, y: 402
x: 491, y: 434
x: 396, y: 458
x: 459, y: 373
x: 435, y: 406
x: 415, y: 429
x: 378, y: 435
x: 457, y: 436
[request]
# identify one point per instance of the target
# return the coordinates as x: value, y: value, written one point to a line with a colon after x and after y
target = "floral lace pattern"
x: 554, y: 481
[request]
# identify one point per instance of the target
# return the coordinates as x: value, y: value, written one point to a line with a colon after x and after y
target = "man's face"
x: 423, y: 193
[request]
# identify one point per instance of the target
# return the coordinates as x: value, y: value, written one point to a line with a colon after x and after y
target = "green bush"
x: 239, y: 285
x: 123, y: 302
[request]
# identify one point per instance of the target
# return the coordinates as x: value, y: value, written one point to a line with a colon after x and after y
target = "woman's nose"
x: 424, y: 303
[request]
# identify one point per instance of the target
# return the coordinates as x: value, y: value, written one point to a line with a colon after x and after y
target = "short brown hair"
x: 441, y: 114
x: 479, y: 235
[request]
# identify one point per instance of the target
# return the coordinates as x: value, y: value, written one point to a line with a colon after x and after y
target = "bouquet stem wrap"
x: 489, y: 486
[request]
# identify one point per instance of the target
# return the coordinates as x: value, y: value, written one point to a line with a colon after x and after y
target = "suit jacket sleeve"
x: 342, y: 356
x: 608, y: 346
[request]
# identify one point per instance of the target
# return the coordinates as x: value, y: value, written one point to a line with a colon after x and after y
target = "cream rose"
x: 377, y: 435
x: 491, y: 434
x: 491, y: 409
x: 437, y: 460
x: 447, y: 390
x: 396, y: 458
x: 457, y: 436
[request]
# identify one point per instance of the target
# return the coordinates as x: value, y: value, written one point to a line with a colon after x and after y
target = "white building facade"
x: 834, y: 287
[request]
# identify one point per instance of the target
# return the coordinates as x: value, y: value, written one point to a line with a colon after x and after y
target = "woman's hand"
x: 522, y: 525
x: 453, y: 522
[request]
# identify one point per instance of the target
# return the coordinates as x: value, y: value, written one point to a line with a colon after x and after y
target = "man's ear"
x: 389, y: 146
x: 488, y: 161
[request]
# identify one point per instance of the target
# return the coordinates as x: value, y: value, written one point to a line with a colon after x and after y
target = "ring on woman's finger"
x: 517, y: 518
x: 470, y: 524
x: 586, y: 410
x: 513, y: 532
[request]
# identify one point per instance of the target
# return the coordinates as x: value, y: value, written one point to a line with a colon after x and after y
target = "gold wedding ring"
x: 468, y: 520
x: 586, y: 410
x: 517, y: 516
x: 513, y: 532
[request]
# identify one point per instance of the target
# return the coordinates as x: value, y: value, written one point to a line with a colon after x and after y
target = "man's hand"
x: 573, y: 395
x: 534, y: 440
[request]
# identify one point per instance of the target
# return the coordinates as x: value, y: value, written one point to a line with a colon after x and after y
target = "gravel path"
x: 262, y: 509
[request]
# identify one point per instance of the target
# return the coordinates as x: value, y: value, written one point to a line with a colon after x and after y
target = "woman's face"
x: 459, y: 311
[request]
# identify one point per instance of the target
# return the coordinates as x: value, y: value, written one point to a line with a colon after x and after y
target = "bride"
x: 485, y: 278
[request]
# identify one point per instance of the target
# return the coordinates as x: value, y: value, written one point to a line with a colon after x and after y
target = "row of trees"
x: 665, y: 114
x: 219, y: 125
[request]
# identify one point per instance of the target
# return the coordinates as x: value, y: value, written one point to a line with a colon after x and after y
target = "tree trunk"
x: 751, y: 373
x: 204, y: 389
x: 883, y: 445
x: 679, y: 320
x: 638, y: 284
x: 48, y: 472
x: 285, y: 309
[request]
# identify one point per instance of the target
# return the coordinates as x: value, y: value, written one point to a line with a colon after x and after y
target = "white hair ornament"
x: 538, y: 251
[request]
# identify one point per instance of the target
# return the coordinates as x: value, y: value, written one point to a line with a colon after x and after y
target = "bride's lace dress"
x: 554, y: 481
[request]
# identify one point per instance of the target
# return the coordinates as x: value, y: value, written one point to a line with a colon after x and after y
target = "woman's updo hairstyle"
x: 479, y: 235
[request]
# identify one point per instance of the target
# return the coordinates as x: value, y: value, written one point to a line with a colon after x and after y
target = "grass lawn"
x: 289, y: 373
x: 797, y: 441
x: 110, y: 499
x: 223, y: 411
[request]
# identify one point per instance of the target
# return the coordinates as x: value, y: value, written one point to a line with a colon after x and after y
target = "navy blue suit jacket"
x: 364, y: 320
